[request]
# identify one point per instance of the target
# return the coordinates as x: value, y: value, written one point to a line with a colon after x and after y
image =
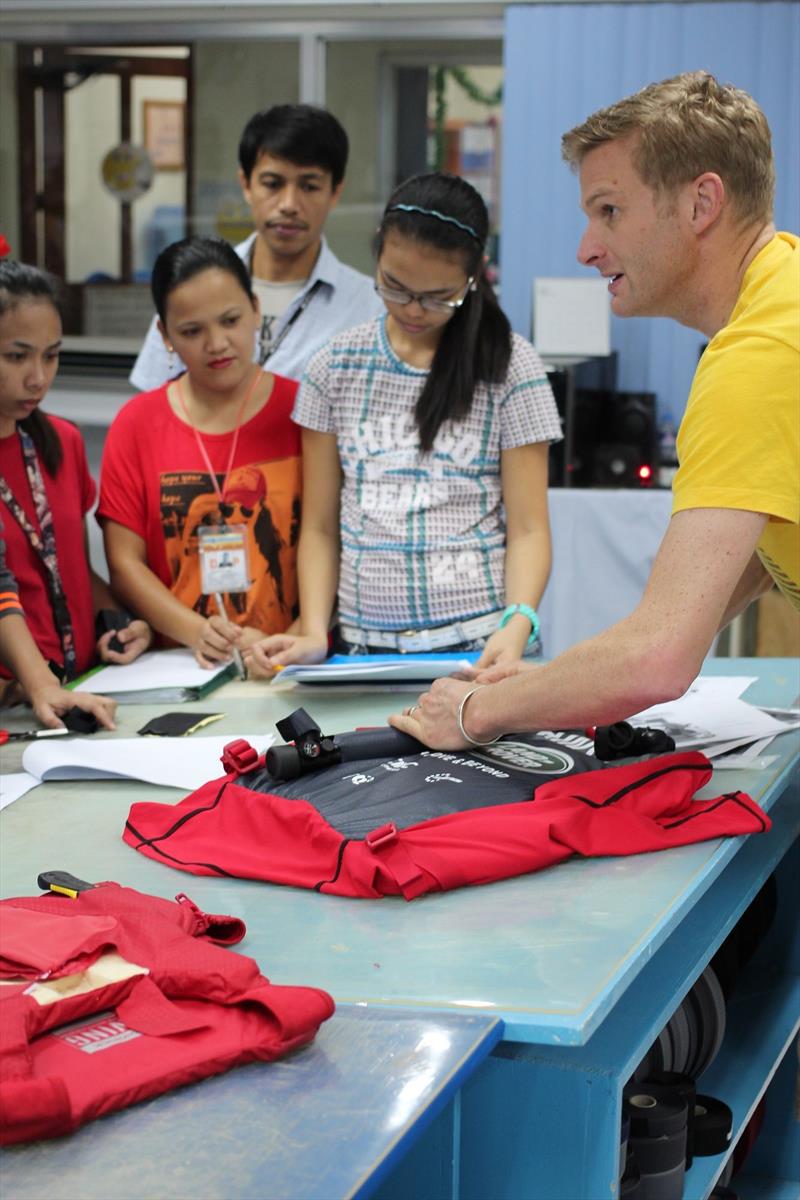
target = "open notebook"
x: 156, y: 677
x: 172, y: 762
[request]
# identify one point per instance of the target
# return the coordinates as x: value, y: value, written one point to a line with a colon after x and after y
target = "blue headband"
x: 432, y: 212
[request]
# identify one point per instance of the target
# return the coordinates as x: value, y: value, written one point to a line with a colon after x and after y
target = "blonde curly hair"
x: 687, y: 125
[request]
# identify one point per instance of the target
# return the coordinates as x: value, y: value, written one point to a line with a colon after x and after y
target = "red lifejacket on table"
x: 116, y: 996
x: 370, y: 829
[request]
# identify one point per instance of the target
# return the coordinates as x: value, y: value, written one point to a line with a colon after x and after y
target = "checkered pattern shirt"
x: 423, y: 535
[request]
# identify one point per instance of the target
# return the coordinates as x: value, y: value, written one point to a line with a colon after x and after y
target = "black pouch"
x: 178, y: 724
x: 110, y: 618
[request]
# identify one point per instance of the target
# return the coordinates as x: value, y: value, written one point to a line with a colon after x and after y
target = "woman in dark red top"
x: 46, y: 489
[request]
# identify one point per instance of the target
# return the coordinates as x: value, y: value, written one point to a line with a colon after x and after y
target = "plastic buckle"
x: 415, y: 641
x: 376, y: 839
x: 238, y: 757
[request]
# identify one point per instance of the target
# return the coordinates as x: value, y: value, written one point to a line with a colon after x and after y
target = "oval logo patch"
x: 539, y: 760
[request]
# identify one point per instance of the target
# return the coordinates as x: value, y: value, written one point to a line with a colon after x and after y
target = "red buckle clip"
x: 238, y: 757
x: 376, y: 839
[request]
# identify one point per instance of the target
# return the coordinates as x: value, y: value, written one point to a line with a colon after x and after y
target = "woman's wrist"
x: 518, y: 630
x: 523, y: 617
x: 37, y: 679
x: 189, y: 631
x: 318, y: 632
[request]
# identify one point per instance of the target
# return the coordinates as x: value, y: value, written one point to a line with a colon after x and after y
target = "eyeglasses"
x: 429, y: 303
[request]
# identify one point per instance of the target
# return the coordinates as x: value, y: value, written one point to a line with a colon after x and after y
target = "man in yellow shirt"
x: 677, y: 185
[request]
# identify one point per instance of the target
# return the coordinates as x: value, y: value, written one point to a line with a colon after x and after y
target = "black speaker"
x: 618, y: 464
x: 631, y: 437
x: 576, y: 383
x: 614, y: 439
x: 590, y: 410
x: 632, y: 419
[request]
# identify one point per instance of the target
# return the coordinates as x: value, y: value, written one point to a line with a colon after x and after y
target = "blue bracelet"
x: 526, y: 611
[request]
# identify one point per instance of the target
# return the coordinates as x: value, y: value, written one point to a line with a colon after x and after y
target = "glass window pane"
x: 383, y: 93
x: 233, y: 80
x: 92, y: 214
x: 159, y: 216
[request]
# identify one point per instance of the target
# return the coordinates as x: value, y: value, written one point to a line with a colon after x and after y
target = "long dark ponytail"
x: 20, y: 282
x: 446, y: 212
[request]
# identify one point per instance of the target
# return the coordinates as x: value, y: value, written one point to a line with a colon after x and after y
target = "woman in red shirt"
x: 46, y: 488
x: 200, y: 484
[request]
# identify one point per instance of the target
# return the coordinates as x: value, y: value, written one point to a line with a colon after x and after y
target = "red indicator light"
x: 645, y: 472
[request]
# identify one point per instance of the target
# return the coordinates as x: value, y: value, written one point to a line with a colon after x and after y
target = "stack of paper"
x: 713, y: 718
x: 378, y: 668
x: 157, y: 677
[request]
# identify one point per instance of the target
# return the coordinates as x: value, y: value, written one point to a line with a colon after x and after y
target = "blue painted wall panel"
x: 563, y: 61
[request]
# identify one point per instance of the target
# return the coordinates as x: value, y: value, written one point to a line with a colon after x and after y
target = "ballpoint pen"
x: 27, y: 735
x: 237, y: 654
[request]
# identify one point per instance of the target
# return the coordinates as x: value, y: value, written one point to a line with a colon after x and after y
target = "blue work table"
x: 584, y: 962
x: 328, y: 1121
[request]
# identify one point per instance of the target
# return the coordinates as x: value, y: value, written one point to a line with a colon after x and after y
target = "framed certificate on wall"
x: 164, y: 134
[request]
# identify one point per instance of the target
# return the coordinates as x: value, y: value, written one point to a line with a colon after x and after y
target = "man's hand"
x: 433, y: 718
x: 136, y: 638
x: 50, y: 701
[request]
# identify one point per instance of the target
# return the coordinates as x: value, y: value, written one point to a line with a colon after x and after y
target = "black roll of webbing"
x: 685, y: 1087
x: 655, y: 1110
x: 712, y: 1125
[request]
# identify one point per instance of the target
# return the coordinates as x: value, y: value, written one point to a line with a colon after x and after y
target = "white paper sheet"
x: 14, y: 786
x: 700, y: 719
x: 156, y: 669
x: 750, y: 757
x: 185, y: 762
x: 730, y: 687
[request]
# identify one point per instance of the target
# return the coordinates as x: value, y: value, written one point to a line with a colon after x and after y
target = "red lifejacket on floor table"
x: 116, y: 996
x: 369, y: 829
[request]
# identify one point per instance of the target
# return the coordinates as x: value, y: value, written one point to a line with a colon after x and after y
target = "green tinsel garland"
x: 490, y: 99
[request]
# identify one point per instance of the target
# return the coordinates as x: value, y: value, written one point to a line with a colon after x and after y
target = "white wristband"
x: 460, y: 719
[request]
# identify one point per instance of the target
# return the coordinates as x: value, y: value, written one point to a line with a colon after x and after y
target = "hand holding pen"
x: 234, y: 650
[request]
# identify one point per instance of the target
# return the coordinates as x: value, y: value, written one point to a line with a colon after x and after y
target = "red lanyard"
x: 201, y: 445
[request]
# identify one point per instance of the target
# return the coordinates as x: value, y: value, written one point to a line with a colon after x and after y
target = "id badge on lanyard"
x: 223, y: 559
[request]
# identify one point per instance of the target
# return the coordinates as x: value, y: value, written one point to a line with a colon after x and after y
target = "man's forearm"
x: 756, y: 581
x: 597, y: 682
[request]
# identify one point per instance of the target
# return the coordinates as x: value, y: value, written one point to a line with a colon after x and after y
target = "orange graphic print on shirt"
x: 265, y: 499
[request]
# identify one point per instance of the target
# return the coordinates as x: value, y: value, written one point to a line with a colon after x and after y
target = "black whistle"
x: 623, y: 740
